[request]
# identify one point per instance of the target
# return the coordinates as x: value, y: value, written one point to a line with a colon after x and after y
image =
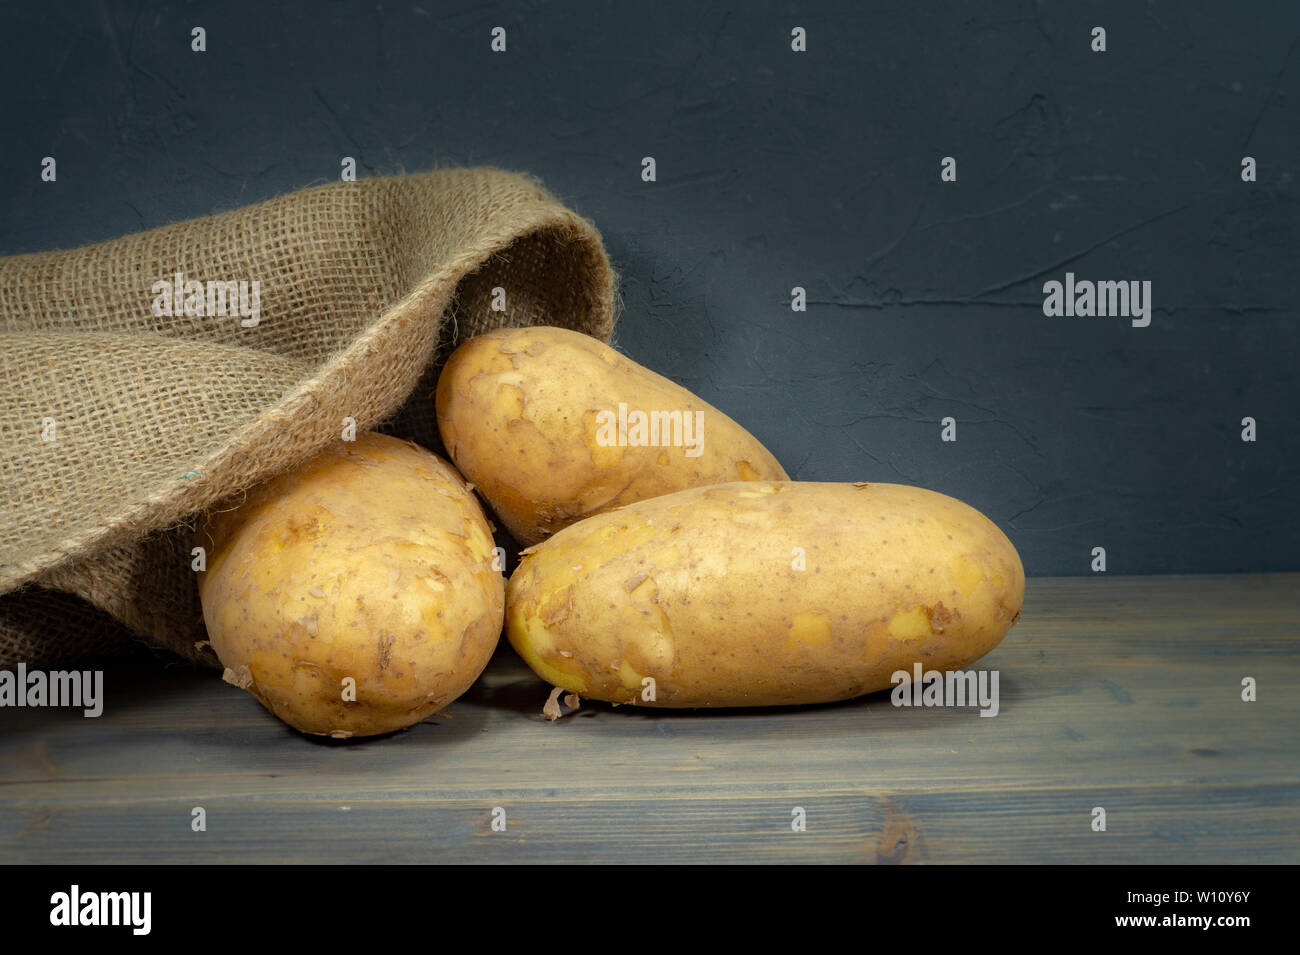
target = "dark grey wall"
x: 779, y: 169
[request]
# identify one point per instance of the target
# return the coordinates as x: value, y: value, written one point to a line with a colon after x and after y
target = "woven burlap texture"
x: 118, y: 426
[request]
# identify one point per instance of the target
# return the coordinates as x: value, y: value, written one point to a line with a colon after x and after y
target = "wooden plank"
x: 1145, y: 824
x: 1121, y: 692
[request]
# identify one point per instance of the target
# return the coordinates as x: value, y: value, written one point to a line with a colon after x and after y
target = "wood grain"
x: 1120, y: 692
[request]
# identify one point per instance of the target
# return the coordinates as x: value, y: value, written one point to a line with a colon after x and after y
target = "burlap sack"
x: 117, y: 425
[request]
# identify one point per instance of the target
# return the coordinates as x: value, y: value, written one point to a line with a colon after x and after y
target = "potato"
x: 702, y: 591
x: 544, y: 421
x: 371, y: 563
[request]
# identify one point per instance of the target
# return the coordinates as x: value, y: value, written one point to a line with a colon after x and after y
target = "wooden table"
x: 1118, y: 692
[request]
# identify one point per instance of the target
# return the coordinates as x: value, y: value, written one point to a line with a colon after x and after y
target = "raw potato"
x: 519, y: 411
x: 372, y: 561
x: 699, y: 590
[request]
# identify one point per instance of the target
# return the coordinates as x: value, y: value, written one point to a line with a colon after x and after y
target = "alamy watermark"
x: 75, y: 907
x: 1084, y: 299
x: 946, y: 688
x: 75, y: 688
x: 651, y: 429
x: 219, y: 298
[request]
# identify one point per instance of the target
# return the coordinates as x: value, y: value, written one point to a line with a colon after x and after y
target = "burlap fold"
x: 118, y: 425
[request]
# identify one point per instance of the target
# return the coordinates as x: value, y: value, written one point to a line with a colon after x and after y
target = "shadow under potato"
x: 508, y: 683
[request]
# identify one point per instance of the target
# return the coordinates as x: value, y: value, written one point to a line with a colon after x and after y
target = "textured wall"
x: 817, y: 169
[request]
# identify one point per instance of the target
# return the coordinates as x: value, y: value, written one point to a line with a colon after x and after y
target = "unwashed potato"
x: 701, y: 591
x: 372, y: 562
x: 532, y: 417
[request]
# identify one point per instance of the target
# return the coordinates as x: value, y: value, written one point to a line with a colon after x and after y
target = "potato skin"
x: 371, y: 561
x: 518, y: 410
x: 699, y: 590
